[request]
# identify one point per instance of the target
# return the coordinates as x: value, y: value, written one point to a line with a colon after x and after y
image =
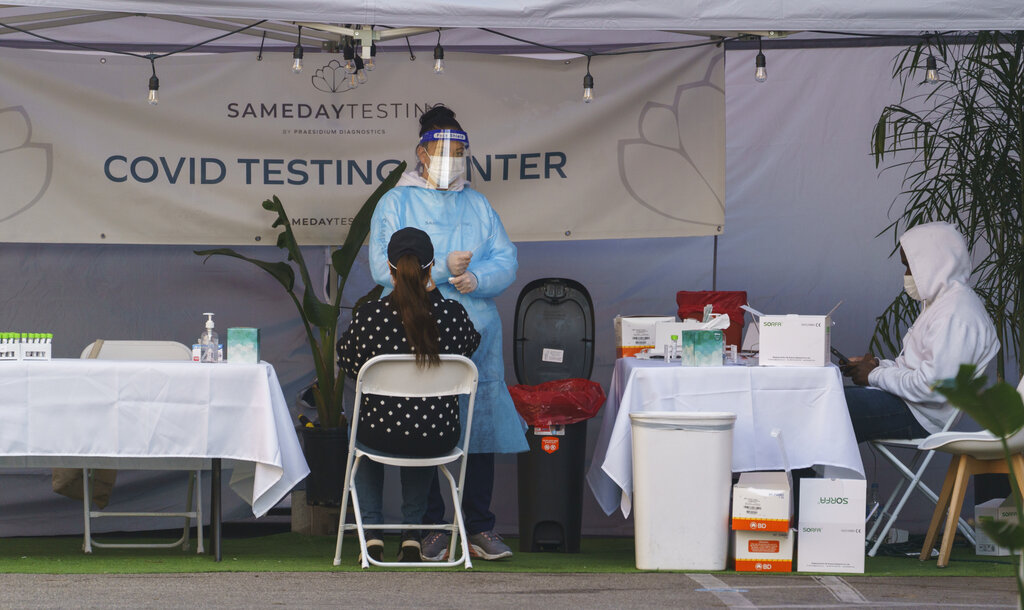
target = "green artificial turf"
x: 289, y: 552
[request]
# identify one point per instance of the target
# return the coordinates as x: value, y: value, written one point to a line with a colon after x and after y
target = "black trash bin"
x: 554, y: 339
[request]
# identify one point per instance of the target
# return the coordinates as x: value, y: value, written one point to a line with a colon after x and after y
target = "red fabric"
x: 560, y: 402
x: 691, y: 305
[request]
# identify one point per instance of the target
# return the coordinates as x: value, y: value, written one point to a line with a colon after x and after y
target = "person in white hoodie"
x: 894, y: 398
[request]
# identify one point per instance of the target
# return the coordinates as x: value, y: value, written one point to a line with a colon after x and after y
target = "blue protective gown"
x: 462, y: 220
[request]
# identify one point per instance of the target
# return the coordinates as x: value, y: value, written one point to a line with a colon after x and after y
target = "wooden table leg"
x: 215, y: 508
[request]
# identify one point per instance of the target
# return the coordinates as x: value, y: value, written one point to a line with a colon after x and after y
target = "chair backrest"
x: 398, y: 375
x: 137, y: 350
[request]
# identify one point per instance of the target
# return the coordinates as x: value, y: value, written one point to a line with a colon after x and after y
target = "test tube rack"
x: 25, y: 346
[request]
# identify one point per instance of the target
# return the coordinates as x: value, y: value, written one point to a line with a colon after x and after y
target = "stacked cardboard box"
x: 831, y: 525
x: 761, y: 510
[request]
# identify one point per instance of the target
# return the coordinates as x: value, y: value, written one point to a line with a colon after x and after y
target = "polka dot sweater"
x: 421, y: 426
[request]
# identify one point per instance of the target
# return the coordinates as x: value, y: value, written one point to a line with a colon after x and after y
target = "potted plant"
x: 1000, y: 410
x: 325, y: 444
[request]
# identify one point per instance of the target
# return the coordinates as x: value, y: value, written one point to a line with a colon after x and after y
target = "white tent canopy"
x: 694, y: 15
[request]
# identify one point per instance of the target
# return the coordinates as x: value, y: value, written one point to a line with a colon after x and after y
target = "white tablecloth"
x: 806, y: 403
x: 108, y: 413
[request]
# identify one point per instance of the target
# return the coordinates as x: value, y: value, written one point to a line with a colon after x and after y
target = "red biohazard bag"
x: 691, y: 305
x: 560, y: 402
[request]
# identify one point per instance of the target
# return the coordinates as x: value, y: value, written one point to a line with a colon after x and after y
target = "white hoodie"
x: 953, y: 328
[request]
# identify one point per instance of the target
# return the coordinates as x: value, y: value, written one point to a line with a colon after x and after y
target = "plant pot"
x: 325, y: 450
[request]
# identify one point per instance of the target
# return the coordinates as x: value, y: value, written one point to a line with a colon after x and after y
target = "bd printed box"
x: 793, y: 340
x: 634, y: 334
x: 764, y: 551
x: 761, y: 502
x: 993, y: 510
x: 831, y: 531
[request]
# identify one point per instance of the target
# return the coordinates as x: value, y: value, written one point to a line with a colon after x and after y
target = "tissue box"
x: 702, y: 347
x: 831, y: 525
x: 764, y: 551
x: 993, y: 510
x: 244, y: 345
x: 760, y: 502
x: 794, y: 340
x: 634, y: 334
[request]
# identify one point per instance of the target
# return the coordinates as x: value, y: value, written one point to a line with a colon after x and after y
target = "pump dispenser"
x: 209, y: 345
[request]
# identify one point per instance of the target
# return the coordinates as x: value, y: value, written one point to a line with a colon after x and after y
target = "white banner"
x: 84, y: 158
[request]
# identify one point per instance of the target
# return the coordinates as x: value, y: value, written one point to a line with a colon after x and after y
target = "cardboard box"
x: 636, y: 333
x: 764, y: 551
x: 244, y: 345
x: 761, y: 501
x: 831, y: 531
x: 993, y: 510
x: 794, y: 340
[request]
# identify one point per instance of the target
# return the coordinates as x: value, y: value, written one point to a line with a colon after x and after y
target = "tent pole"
x: 714, y: 266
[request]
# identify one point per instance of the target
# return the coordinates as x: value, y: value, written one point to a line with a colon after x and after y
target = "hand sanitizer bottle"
x: 209, y: 348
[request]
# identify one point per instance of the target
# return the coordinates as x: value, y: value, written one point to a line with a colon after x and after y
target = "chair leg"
x: 956, y: 503
x: 460, y: 523
x: 915, y: 483
x: 189, y: 491
x: 1018, y: 469
x: 940, y: 510
x: 346, y: 484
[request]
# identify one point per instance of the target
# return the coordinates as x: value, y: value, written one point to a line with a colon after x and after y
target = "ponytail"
x: 413, y: 305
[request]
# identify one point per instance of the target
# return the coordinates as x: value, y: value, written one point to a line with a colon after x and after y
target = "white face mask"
x: 910, y: 286
x: 445, y: 171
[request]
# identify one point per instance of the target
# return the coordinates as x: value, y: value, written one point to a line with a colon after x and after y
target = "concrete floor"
x: 483, y: 590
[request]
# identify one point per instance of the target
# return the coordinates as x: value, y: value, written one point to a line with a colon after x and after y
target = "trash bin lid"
x: 711, y: 421
x: 554, y: 332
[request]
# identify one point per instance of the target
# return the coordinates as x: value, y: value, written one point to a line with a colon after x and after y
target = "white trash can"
x: 682, y: 475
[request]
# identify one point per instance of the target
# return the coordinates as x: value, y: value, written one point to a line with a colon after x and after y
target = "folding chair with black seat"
x: 397, y: 375
x: 155, y: 351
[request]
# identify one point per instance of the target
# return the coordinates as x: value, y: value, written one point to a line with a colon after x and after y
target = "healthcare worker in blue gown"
x: 474, y: 261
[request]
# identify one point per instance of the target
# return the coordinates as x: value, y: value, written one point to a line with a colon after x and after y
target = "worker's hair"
x: 413, y: 304
x: 438, y: 117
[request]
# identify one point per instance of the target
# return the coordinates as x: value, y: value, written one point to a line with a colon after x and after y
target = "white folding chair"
x: 912, y: 473
x: 144, y: 350
x: 398, y: 375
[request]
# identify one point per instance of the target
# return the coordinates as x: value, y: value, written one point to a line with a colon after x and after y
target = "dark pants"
x: 878, y: 414
x: 476, y: 496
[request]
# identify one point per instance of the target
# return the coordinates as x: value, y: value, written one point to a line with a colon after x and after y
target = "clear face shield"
x: 447, y: 151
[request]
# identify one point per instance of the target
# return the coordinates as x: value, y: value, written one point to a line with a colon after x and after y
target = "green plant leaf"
x: 323, y: 315
x: 998, y: 409
x: 1005, y: 534
x: 282, y: 272
x: 344, y: 257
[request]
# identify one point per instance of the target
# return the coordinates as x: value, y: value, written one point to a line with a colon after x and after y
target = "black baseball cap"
x: 410, y: 240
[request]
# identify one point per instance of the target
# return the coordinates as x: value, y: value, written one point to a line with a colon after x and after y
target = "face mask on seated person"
x: 911, y: 287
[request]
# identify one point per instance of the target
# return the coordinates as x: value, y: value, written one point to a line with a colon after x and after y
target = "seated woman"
x: 413, y: 319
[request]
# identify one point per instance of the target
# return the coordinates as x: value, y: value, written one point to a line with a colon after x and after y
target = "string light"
x: 360, y: 73
x: 154, y: 85
x: 588, y: 85
x: 931, y: 70
x: 297, y: 54
x: 438, y: 56
x: 760, y: 68
x: 348, y: 52
x: 370, y: 62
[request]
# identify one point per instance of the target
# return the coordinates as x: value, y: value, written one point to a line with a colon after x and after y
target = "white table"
x: 134, y: 414
x: 806, y: 403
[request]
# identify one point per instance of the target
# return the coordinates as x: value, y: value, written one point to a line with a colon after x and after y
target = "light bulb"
x: 588, y: 88
x: 353, y: 81
x: 932, y: 70
x: 760, y: 72
x: 154, y: 86
x: 297, y: 59
x: 369, y: 61
x: 360, y: 73
x: 349, y: 53
x: 438, y: 60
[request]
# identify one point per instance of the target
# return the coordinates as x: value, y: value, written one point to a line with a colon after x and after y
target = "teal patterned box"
x: 243, y: 345
x: 702, y: 347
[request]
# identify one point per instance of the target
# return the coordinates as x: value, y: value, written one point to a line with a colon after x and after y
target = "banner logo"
x: 26, y: 167
x: 331, y: 78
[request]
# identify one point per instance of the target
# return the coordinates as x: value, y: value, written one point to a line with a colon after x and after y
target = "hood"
x: 938, y: 257
x: 412, y: 178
